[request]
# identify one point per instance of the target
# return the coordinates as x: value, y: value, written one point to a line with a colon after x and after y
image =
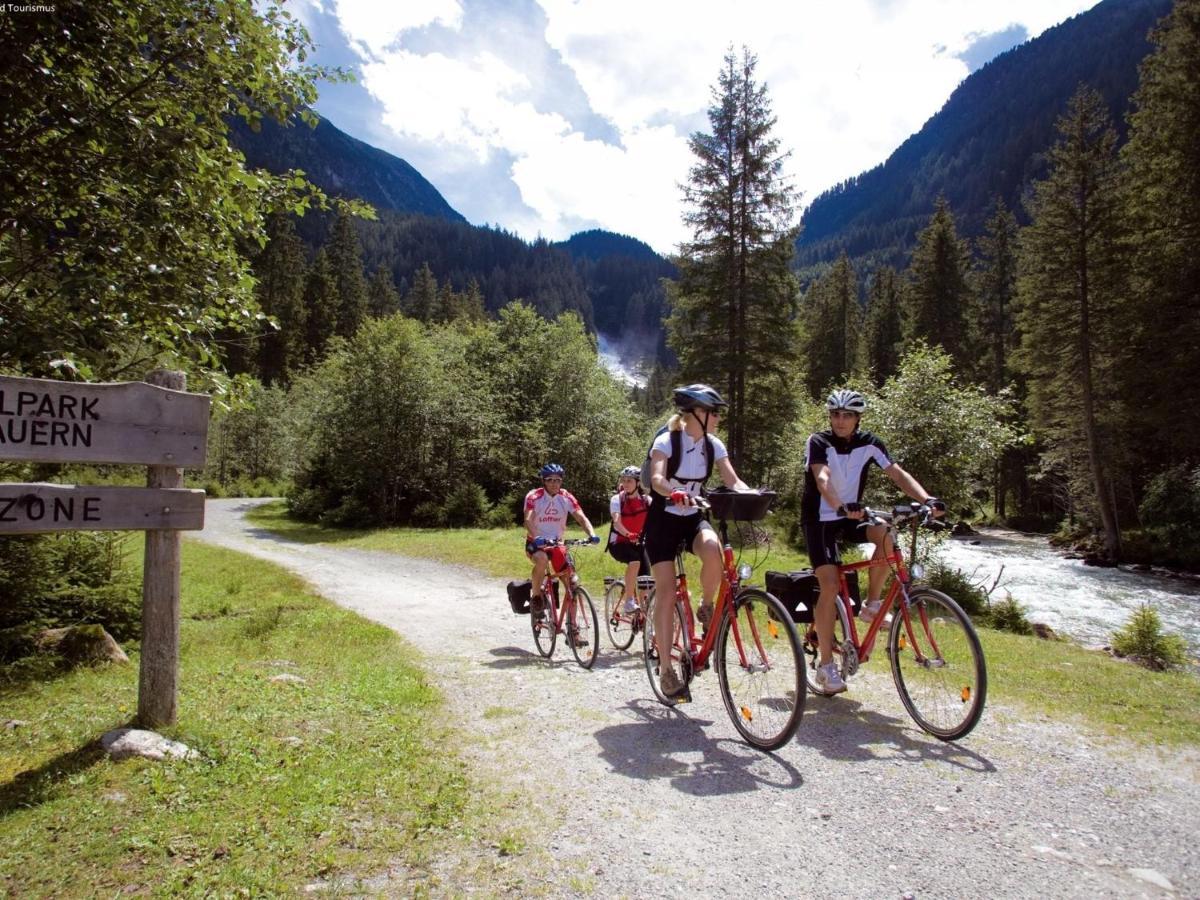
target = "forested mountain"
x: 341, y: 166
x: 988, y: 139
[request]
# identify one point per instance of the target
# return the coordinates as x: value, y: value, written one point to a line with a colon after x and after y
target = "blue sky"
x: 548, y: 117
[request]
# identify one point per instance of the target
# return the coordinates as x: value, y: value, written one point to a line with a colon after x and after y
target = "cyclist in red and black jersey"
x: 835, y: 476
x: 628, y: 509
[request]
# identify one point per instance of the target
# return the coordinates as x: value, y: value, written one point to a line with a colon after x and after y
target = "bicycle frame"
x: 568, y: 578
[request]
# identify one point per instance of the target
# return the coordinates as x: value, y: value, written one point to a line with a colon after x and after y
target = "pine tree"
x: 280, y: 272
x: 382, y: 296
x: 1069, y: 290
x: 997, y: 281
x: 421, y: 301
x: 1162, y: 199
x: 881, y: 335
x: 732, y: 319
x: 345, y: 262
x: 833, y: 322
x: 936, y: 299
x: 320, y: 307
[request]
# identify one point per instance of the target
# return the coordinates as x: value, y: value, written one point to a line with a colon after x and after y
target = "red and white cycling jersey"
x: 550, y: 512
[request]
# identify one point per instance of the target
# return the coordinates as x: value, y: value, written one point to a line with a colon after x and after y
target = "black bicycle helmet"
x: 697, y: 396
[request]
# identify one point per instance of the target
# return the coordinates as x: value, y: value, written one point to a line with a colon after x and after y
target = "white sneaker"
x: 870, y: 610
x: 631, y: 605
x: 829, y: 679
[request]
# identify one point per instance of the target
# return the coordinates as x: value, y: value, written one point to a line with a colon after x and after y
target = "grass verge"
x: 330, y: 781
x: 1056, y: 679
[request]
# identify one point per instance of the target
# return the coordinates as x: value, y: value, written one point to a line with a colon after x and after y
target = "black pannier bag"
x: 518, y: 596
x: 799, y: 591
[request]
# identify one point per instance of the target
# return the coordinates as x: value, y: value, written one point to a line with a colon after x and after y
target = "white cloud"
x: 848, y: 83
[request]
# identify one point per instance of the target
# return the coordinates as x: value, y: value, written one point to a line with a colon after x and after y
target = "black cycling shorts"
x: 625, y: 552
x: 822, y: 539
x: 666, y: 531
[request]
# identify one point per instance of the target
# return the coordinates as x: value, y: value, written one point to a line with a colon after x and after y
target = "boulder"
x: 126, y: 742
x: 962, y: 529
x: 81, y: 644
x: 1045, y: 632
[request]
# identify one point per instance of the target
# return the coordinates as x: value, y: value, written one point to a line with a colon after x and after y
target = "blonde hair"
x: 676, y: 422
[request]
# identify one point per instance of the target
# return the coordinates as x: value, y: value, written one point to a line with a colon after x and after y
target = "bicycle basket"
x: 740, y: 506
x: 518, y: 596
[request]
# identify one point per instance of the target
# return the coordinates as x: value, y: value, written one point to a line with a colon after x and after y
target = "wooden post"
x: 157, y: 685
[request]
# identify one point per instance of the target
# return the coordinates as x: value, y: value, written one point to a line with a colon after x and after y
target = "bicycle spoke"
x: 620, y: 624
x: 582, y: 631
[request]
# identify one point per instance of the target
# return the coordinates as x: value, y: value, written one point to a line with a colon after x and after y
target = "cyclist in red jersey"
x: 628, y: 509
x: 546, y: 511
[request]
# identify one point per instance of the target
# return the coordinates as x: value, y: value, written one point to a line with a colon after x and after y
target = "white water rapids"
x: 1086, y: 603
x: 617, y: 362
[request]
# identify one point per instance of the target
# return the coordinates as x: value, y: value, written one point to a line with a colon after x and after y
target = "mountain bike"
x: 624, y: 626
x: 750, y: 637
x: 936, y: 658
x: 574, y: 617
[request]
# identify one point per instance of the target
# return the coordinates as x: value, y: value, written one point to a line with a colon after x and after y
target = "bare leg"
x: 539, y: 572
x: 827, y: 576
x: 631, y: 573
x: 878, y: 535
x: 707, y: 546
x: 664, y: 610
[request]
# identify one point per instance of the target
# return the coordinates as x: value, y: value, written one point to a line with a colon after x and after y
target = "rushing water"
x: 613, y: 360
x: 1085, y: 602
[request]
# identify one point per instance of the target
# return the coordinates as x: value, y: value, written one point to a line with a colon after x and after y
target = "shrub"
x: 466, y: 506
x: 1142, y: 639
x: 955, y: 584
x: 1009, y: 614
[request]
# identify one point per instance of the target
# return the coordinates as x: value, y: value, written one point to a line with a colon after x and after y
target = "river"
x: 1086, y: 603
x: 613, y: 359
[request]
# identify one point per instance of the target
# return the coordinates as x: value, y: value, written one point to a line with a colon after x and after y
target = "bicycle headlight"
x: 916, y: 570
x: 745, y: 570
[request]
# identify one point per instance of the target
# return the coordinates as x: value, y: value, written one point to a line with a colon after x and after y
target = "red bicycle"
x: 937, y: 661
x: 623, y: 625
x: 751, y: 638
x: 575, y: 616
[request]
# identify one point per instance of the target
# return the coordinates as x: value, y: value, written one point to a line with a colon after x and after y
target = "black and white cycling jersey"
x: 848, y: 459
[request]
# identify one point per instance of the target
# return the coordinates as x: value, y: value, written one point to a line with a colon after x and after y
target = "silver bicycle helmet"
x: 845, y: 398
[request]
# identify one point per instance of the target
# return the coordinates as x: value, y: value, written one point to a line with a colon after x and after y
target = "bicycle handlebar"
x: 902, y: 515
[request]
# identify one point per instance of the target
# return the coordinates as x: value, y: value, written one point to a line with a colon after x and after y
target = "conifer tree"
x: 280, y: 272
x: 881, y: 335
x: 935, y: 302
x: 320, y: 307
x: 345, y: 262
x: 1162, y: 200
x: 421, y: 301
x: 833, y: 320
x: 382, y: 297
x: 732, y: 319
x: 1069, y: 290
x: 997, y: 284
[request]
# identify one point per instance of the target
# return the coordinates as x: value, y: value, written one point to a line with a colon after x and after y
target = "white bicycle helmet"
x: 845, y: 398
x: 632, y: 472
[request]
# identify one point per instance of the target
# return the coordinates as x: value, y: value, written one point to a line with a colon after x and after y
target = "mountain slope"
x: 342, y: 165
x: 989, y: 138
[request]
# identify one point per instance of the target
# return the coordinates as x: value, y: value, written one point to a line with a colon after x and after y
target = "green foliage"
x: 1142, y: 639
x: 996, y: 279
x: 732, y: 320
x: 936, y: 300
x: 879, y: 353
x: 1170, y: 514
x: 948, y: 436
x: 71, y: 578
x: 247, y: 442
x: 832, y: 324
x: 125, y: 208
x: 955, y: 584
x: 1009, y: 614
x: 405, y: 415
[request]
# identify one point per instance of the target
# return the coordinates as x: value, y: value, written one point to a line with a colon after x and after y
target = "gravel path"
x: 640, y: 800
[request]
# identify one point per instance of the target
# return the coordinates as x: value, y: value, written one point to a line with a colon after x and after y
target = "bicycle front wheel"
x: 761, y: 669
x: 583, y: 631
x: 680, y: 653
x: 618, y: 622
x: 545, y: 629
x: 937, y: 664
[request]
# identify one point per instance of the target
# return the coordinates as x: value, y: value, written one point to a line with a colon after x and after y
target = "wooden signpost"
x: 156, y: 424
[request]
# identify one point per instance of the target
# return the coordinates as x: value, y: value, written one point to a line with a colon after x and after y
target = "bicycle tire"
x: 841, y: 643
x: 582, y: 626
x: 946, y: 692
x: 620, y: 634
x: 545, y: 631
x: 760, y: 667
x: 680, y: 656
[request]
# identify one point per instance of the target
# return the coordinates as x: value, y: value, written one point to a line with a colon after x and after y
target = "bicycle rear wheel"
x: 680, y: 654
x: 760, y: 667
x: 545, y: 630
x: 842, y: 648
x: 618, y: 622
x: 583, y: 631
x: 937, y: 664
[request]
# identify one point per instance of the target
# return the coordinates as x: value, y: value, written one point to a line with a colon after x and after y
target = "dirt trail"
x: 659, y: 802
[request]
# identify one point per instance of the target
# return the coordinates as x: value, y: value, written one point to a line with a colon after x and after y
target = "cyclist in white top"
x: 674, y: 518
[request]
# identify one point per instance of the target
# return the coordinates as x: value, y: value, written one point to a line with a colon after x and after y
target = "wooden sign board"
x: 130, y: 422
x: 37, y: 508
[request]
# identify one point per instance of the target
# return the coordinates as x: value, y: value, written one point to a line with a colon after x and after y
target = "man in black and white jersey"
x: 835, y: 476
